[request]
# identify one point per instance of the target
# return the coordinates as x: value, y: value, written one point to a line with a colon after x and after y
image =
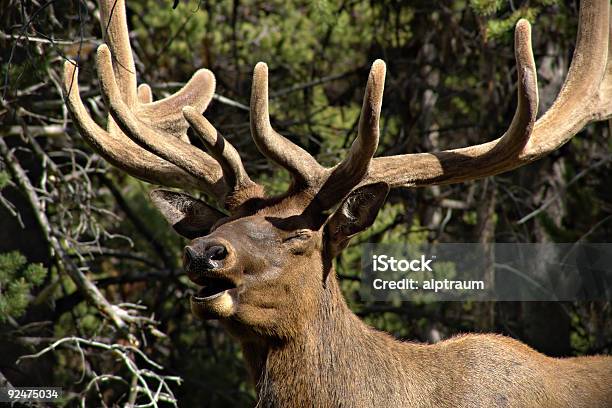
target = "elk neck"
x: 334, y: 349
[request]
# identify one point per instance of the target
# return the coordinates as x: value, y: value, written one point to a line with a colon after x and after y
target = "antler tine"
x: 519, y: 131
x: 346, y: 175
x: 124, y: 154
x: 144, y: 94
x: 452, y: 166
x: 187, y: 157
x: 165, y: 114
x: 115, y: 33
x: 302, y: 166
x: 241, y: 187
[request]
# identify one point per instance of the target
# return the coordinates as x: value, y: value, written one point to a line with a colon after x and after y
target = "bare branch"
x: 120, y: 318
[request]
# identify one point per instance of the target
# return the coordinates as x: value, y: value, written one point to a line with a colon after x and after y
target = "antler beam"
x: 115, y: 147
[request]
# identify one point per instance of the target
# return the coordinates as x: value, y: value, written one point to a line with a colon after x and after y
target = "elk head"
x: 266, y: 262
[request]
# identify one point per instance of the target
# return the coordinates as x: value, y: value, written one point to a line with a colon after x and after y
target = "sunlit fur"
x: 304, y: 347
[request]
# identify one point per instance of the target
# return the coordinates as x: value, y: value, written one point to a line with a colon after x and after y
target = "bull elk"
x: 266, y: 269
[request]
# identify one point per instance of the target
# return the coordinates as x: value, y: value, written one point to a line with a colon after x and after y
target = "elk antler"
x: 586, y: 96
x: 149, y: 139
x: 331, y: 184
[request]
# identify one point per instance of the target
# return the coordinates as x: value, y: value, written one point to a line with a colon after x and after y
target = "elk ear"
x: 188, y: 216
x: 356, y: 213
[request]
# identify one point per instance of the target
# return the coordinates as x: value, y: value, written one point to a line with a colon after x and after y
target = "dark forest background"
x: 66, y: 215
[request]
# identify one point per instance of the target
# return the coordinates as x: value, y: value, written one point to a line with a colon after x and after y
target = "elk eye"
x: 299, y: 235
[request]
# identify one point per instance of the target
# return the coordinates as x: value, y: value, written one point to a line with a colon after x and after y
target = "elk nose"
x: 204, y: 257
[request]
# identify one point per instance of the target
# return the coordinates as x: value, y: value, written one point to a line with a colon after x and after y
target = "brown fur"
x: 305, y: 348
x: 339, y: 361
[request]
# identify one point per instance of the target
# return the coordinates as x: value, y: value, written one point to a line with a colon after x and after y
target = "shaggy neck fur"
x: 314, y: 368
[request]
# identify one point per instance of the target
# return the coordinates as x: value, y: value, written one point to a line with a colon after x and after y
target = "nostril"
x: 216, y: 253
x: 189, y: 256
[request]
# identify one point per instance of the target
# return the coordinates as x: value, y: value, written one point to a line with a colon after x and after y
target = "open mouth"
x: 213, y: 287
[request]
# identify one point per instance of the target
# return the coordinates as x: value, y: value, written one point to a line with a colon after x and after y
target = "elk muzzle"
x: 209, y: 263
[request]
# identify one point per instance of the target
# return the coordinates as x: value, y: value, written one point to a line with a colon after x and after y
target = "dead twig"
x: 125, y: 353
x: 120, y: 318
